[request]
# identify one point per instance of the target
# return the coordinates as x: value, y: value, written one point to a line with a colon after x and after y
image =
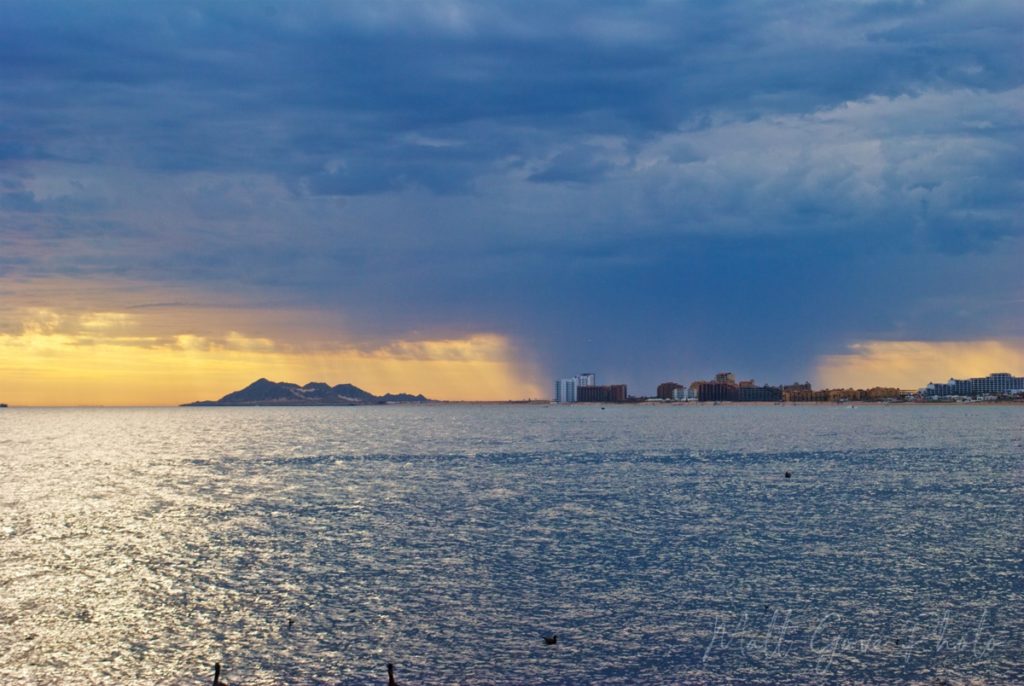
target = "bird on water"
x: 551, y: 640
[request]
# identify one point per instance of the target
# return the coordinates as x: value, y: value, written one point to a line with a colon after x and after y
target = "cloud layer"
x: 651, y: 190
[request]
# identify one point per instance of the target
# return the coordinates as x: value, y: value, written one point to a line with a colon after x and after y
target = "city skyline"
x: 461, y: 199
x: 724, y: 386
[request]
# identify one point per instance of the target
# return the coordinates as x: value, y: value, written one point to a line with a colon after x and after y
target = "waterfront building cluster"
x: 724, y: 387
x: 804, y: 393
x: 1000, y: 383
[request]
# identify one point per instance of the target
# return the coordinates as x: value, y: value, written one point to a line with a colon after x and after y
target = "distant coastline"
x: 540, y: 403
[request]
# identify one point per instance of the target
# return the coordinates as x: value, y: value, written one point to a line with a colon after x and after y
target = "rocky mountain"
x: 264, y: 392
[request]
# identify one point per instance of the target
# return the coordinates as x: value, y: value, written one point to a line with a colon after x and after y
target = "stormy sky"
x: 648, y: 190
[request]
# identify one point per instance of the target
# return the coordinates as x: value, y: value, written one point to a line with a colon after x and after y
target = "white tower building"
x: 565, y: 390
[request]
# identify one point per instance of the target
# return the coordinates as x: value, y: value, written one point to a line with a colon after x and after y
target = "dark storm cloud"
x: 698, y: 169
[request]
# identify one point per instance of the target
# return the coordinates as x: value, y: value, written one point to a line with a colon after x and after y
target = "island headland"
x: 265, y: 392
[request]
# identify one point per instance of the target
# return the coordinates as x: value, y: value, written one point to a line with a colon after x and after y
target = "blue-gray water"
x: 662, y: 544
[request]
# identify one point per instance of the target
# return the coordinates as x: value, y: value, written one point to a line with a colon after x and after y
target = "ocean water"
x: 662, y: 544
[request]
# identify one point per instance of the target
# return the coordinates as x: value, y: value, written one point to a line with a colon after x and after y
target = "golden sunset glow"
x: 913, y: 364
x: 105, y: 358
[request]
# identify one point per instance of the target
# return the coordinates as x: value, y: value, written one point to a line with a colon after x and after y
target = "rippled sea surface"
x: 662, y: 544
